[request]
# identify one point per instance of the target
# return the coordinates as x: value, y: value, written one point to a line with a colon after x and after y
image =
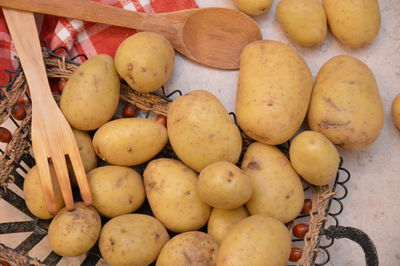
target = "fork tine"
x: 60, y: 165
x: 46, y: 183
x: 80, y: 175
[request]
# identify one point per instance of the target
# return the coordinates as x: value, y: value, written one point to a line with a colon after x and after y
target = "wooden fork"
x: 52, y: 137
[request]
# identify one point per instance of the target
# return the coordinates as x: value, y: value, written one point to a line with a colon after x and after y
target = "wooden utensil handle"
x: 21, y: 24
x: 83, y: 10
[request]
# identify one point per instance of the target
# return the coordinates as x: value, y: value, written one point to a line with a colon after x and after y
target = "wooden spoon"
x: 52, y: 136
x: 211, y: 36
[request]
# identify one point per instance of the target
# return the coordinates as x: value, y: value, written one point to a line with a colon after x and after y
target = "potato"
x: 224, y: 185
x: 277, y: 189
x: 396, y: 111
x: 354, y: 23
x: 145, y: 61
x: 256, y: 240
x: 129, y: 141
x: 253, y: 7
x: 132, y: 239
x: 190, y: 248
x: 172, y: 194
x: 303, y: 20
x: 345, y: 105
x: 34, y: 197
x: 201, y: 132
x: 73, y: 233
x: 116, y: 190
x: 86, y: 151
x: 314, y: 158
x: 221, y: 221
x: 91, y: 95
x: 274, y: 92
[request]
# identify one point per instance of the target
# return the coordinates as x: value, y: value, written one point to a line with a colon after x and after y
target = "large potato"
x: 303, y: 20
x: 256, y: 240
x: 34, y: 197
x: 73, y: 233
x: 345, y: 105
x: 129, y: 141
x: 201, y: 131
x: 396, y: 111
x: 354, y: 23
x: 274, y: 91
x: 253, y: 7
x: 132, y: 239
x: 171, y: 191
x: 190, y: 248
x: 145, y: 61
x: 221, y: 221
x: 277, y: 189
x: 91, y: 95
x: 314, y: 158
x: 224, y: 185
x: 116, y: 190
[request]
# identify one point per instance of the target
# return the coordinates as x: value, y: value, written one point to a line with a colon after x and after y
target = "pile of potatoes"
x: 241, y: 197
x: 354, y: 23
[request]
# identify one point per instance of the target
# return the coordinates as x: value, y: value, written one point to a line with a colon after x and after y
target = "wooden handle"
x: 84, y: 10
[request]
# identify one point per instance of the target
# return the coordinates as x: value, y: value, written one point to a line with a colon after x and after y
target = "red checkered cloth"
x: 83, y: 37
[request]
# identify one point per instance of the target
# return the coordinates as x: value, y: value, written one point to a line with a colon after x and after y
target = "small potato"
x: 91, y: 95
x: 145, y: 61
x: 314, y: 158
x: 73, y: 233
x: 256, y: 240
x: 345, y: 104
x: 223, y: 185
x: 116, y: 190
x: 253, y: 7
x: 354, y: 23
x: 132, y: 239
x: 277, y: 189
x: 129, y: 141
x: 303, y: 20
x: 221, y: 221
x: 396, y: 111
x: 190, y: 248
x: 273, y: 93
x: 201, y: 132
x: 86, y: 150
x: 172, y: 194
x: 34, y: 197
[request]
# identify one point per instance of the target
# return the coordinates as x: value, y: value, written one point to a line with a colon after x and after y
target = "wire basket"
x: 16, y: 159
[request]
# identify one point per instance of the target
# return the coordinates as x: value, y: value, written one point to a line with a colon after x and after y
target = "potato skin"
x: 145, y: 61
x: 254, y: 7
x: 132, y: 239
x: 190, y: 248
x: 129, y: 141
x: 314, y: 158
x: 171, y: 191
x: 256, y: 240
x: 224, y: 185
x: 73, y: 233
x: 277, y: 189
x: 116, y: 190
x: 34, y: 197
x: 303, y: 20
x: 91, y: 95
x: 274, y: 91
x: 396, y: 111
x: 345, y: 105
x: 221, y: 221
x: 354, y: 23
x: 201, y: 131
